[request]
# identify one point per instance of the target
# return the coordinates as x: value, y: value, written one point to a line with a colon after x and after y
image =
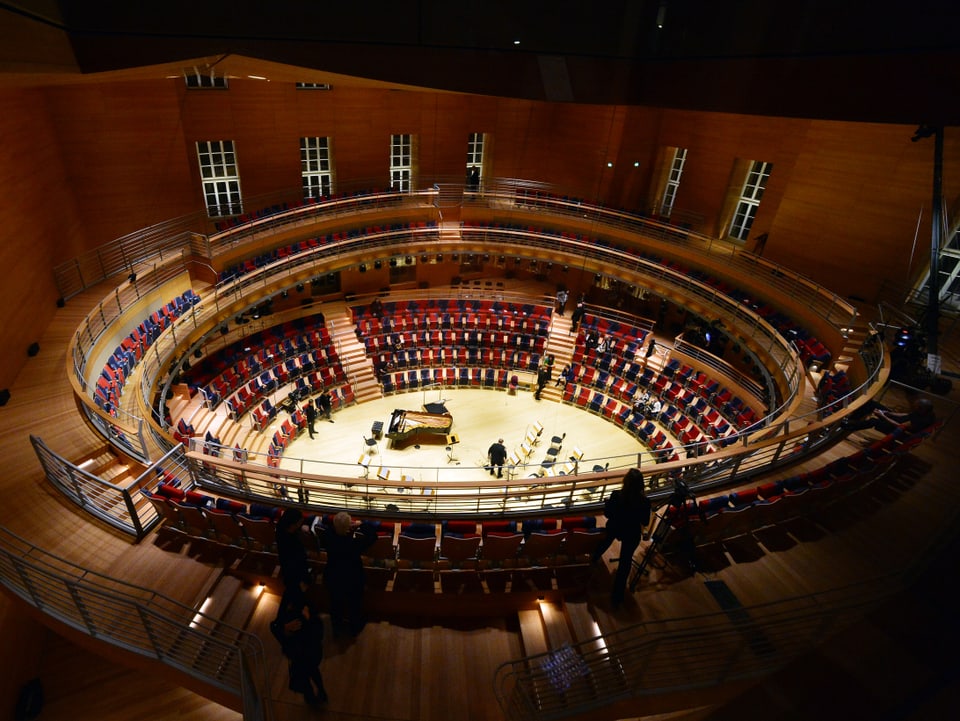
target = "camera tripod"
x: 677, y: 508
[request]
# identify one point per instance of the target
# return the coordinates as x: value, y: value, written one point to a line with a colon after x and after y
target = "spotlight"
x: 132, y: 277
x: 486, y: 258
x: 408, y: 260
x: 331, y: 277
x: 516, y: 261
x: 393, y: 262
x: 283, y: 294
x: 566, y: 268
x: 456, y: 257
x: 597, y: 278
x: 197, y: 353
x: 363, y: 267
x: 501, y: 260
x: 299, y: 287
x: 377, y: 264
x: 423, y: 258
x: 439, y: 257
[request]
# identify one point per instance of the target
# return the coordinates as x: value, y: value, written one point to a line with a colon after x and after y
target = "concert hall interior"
x: 685, y: 236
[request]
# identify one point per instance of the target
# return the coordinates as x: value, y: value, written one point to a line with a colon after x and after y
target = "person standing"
x: 577, y: 316
x: 311, y: 413
x: 544, y: 374
x: 326, y: 404
x: 562, y: 296
x: 344, y: 576
x: 300, y: 633
x: 291, y: 552
x: 497, y: 454
x: 628, y: 514
x: 651, y: 349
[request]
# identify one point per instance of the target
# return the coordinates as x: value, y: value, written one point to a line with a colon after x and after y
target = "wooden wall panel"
x: 837, y: 189
x: 850, y: 212
x: 122, y: 147
x: 40, y: 224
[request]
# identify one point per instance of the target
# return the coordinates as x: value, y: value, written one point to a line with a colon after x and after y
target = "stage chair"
x: 195, y: 522
x: 499, y: 549
x: 167, y: 512
x: 382, y: 553
x: 459, y: 552
x: 227, y: 529
x: 261, y: 532
x: 416, y: 551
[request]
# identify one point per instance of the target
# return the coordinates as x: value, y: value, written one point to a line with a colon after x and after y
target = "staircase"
x: 353, y: 356
x: 560, y: 344
x: 855, y: 337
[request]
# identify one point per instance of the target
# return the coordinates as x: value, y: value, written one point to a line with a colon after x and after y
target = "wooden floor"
x: 416, y: 668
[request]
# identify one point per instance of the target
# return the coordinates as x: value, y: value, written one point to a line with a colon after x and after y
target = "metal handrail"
x: 137, y: 619
x: 683, y: 654
x: 229, y: 296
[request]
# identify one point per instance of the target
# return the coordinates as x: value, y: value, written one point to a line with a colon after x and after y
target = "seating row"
x: 287, y: 340
x: 109, y: 386
x: 733, y: 514
x: 292, y: 249
x: 809, y: 347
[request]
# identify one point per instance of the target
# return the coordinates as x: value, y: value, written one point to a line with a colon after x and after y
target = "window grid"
x: 673, y: 181
x: 474, y: 160
x: 315, y: 168
x: 221, y: 181
x: 401, y: 166
x: 750, y: 199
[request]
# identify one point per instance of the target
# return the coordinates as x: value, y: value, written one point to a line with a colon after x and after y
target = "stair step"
x: 532, y: 632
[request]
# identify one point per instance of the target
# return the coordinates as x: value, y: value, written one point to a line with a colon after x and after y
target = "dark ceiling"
x: 803, y: 58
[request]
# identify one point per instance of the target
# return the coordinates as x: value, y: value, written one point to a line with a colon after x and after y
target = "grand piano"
x: 408, y: 428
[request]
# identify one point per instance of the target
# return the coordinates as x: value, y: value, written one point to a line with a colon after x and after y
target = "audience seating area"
x: 456, y: 342
x: 810, y: 349
x: 294, y: 360
x: 448, y: 556
x: 109, y: 386
x: 733, y: 514
x: 606, y: 379
x: 292, y: 249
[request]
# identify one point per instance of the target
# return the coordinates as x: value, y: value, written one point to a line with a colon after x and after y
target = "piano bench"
x: 376, y: 430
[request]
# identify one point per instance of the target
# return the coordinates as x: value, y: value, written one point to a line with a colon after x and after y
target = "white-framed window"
x: 220, y: 178
x: 673, y: 181
x: 315, y: 167
x: 750, y: 199
x: 474, y: 160
x: 401, y: 162
x: 205, y: 79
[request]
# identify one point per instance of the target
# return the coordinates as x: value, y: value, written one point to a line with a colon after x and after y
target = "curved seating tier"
x: 109, y: 386
x: 809, y: 348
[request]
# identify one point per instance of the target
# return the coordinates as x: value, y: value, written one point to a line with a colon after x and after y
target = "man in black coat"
x: 311, y: 413
x: 344, y: 576
x: 498, y: 456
